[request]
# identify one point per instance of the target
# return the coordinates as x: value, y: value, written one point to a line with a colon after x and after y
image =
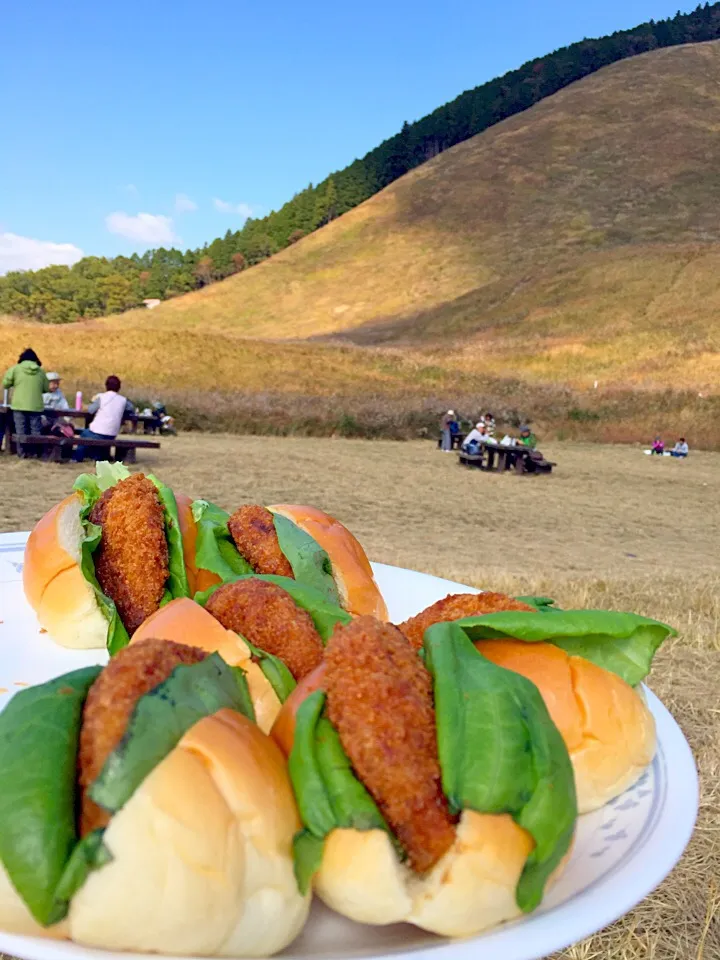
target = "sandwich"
x: 105, y: 558
x: 144, y: 810
x: 286, y: 540
x: 433, y: 789
x: 274, y: 628
x: 587, y: 664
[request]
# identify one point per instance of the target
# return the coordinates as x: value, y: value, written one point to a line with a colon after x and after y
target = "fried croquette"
x: 131, y: 562
x: 268, y: 617
x: 253, y: 531
x: 133, y: 672
x: 454, y: 607
x: 379, y: 698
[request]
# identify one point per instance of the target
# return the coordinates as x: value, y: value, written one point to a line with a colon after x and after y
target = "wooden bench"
x: 121, y: 448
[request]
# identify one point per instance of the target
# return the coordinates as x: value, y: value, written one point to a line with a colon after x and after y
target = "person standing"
x: 109, y: 408
x: 28, y: 383
x: 489, y: 421
x: 446, y: 426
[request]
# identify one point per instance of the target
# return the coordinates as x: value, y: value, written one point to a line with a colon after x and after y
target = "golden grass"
x: 559, y: 244
x: 576, y: 242
x: 227, y: 382
x: 610, y: 528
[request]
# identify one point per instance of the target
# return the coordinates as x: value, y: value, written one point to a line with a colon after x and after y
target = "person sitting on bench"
x: 527, y: 438
x: 109, y: 409
x: 477, y: 436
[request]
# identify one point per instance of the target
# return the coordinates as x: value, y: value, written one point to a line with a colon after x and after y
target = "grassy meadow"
x: 223, y: 382
x: 610, y: 528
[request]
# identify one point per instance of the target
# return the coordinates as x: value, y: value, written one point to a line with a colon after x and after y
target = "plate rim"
x: 678, y: 813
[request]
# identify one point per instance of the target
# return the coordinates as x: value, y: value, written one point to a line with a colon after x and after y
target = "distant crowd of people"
x: 681, y: 448
x: 483, y: 432
x: 37, y: 403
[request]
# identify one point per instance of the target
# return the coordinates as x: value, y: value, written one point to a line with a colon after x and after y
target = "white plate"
x: 622, y: 851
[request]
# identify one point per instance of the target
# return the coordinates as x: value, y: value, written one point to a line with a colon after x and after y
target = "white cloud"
x: 131, y: 189
x: 243, y: 209
x: 149, y: 228
x: 25, y: 253
x: 183, y: 203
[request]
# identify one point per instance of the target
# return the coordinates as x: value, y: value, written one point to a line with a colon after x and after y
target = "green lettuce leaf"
x: 328, y: 793
x: 307, y: 858
x: 275, y: 671
x: 215, y: 549
x: 541, y: 603
x: 89, y: 854
x: 177, y: 582
x: 324, y: 615
x: 160, y: 719
x: 39, y: 732
x: 500, y: 752
x: 310, y: 563
x: 623, y: 643
x: 91, y: 486
x: 117, y: 635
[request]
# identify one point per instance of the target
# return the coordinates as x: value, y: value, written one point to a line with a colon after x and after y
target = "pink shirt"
x: 108, y: 419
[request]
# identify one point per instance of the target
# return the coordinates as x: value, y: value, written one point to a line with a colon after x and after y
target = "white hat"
x: 451, y: 413
x: 481, y: 424
x: 54, y: 376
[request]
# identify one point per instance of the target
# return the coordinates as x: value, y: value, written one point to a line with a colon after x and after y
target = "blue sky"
x: 141, y: 124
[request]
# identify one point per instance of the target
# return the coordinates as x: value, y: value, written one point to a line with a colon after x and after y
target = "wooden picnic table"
x: 87, y: 417
x: 8, y: 428
x: 54, y: 448
x: 498, y: 458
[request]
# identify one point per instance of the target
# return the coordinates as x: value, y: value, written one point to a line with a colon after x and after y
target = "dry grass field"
x: 610, y: 528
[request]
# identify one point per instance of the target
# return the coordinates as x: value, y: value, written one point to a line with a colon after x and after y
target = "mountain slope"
x: 592, y: 218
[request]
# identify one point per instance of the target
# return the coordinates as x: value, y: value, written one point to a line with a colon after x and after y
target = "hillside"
x: 97, y: 285
x: 575, y: 242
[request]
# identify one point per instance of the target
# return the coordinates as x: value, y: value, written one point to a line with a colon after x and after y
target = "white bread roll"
x: 202, y: 856
x: 63, y: 600
x: 606, y: 725
x: 185, y: 621
x: 469, y: 890
x: 359, y: 594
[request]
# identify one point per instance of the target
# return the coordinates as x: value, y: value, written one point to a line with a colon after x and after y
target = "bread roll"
x: 185, y: 621
x: 469, y: 890
x: 198, y: 580
x: 606, y: 725
x: 283, y: 730
x: 359, y: 594
x: 63, y: 600
x: 202, y: 856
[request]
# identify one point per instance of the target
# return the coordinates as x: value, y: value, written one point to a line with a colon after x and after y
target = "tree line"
x: 96, y: 285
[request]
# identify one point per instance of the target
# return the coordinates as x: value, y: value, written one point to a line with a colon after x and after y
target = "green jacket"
x: 28, y: 383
